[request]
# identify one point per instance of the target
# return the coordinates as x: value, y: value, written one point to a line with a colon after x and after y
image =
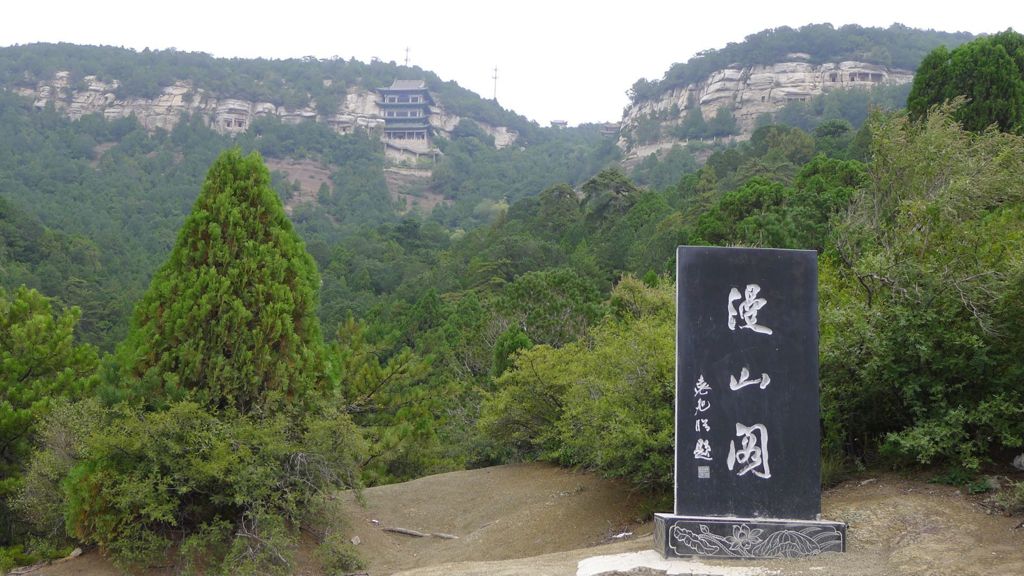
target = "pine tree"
x: 230, y: 318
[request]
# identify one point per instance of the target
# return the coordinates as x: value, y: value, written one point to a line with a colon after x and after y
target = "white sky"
x: 556, y: 59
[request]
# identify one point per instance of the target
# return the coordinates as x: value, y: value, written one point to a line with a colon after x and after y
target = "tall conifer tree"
x: 230, y: 318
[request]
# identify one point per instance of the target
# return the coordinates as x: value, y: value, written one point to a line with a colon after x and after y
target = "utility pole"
x: 495, y: 83
x: 406, y: 56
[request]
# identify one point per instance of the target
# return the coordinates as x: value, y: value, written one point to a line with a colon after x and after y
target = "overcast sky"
x: 556, y: 60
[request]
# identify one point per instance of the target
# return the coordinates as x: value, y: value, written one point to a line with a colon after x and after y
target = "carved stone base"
x: 678, y: 536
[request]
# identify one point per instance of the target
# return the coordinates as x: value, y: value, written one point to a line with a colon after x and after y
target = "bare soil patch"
x: 910, y: 527
x: 411, y: 187
x: 310, y: 175
x: 497, y: 513
x: 98, y: 151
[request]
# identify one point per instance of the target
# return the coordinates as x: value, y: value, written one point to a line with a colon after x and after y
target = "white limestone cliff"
x: 359, y: 109
x: 752, y: 91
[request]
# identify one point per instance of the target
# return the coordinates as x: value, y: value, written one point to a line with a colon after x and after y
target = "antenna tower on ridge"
x: 495, y: 95
x: 406, y: 56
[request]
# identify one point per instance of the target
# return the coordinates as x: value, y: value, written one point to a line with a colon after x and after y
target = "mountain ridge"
x: 158, y: 87
x: 726, y: 93
x: 741, y: 82
x: 747, y: 94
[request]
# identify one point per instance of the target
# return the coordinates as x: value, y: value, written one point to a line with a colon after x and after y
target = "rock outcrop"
x: 359, y: 110
x: 750, y: 92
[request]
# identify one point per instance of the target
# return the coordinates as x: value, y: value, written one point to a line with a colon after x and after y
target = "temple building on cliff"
x: 405, y: 106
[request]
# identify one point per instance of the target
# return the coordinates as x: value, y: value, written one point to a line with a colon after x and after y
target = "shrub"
x: 921, y: 304
x: 605, y: 404
x: 338, y: 556
x: 40, y: 362
x: 232, y: 489
x: 1012, y: 498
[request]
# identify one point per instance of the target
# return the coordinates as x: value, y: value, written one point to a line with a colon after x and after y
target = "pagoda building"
x: 405, y: 106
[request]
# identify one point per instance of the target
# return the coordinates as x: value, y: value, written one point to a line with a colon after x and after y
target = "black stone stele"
x: 747, y: 463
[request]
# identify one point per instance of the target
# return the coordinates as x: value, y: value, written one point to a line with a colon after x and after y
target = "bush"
x: 519, y: 419
x: 63, y: 434
x: 1012, y: 499
x: 619, y: 408
x: 921, y: 304
x: 605, y: 404
x: 40, y: 362
x: 12, y: 556
x: 232, y: 489
x: 338, y: 556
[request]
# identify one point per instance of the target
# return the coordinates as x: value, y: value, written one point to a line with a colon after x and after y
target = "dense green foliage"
x: 664, y: 172
x: 230, y: 318
x: 988, y: 71
x: 763, y: 212
x: 63, y: 231
x: 391, y: 398
x: 90, y: 224
x: 921, y: 289
x: 531, y: 285
x: 40, y: 363
x: 923, y: 348
x: 228, y: 489
x: 472, y: 169
x: 852, y: 105
x: 605, y: 403
x: 896, y: 46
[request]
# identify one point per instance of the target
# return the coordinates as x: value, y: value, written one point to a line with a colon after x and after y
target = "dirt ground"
x: 538, y: 520
x: 497, y: 513
x: 410, y: 188
x: 311, y: 175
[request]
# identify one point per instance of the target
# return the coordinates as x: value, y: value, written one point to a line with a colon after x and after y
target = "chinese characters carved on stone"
x: 753, y: 452
x: 745, y: 380
x: 748, y: 309
x: 702, y: 451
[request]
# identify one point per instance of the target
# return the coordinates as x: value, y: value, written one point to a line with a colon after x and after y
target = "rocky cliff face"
x: 750, y: 92
x: 225, y: 115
